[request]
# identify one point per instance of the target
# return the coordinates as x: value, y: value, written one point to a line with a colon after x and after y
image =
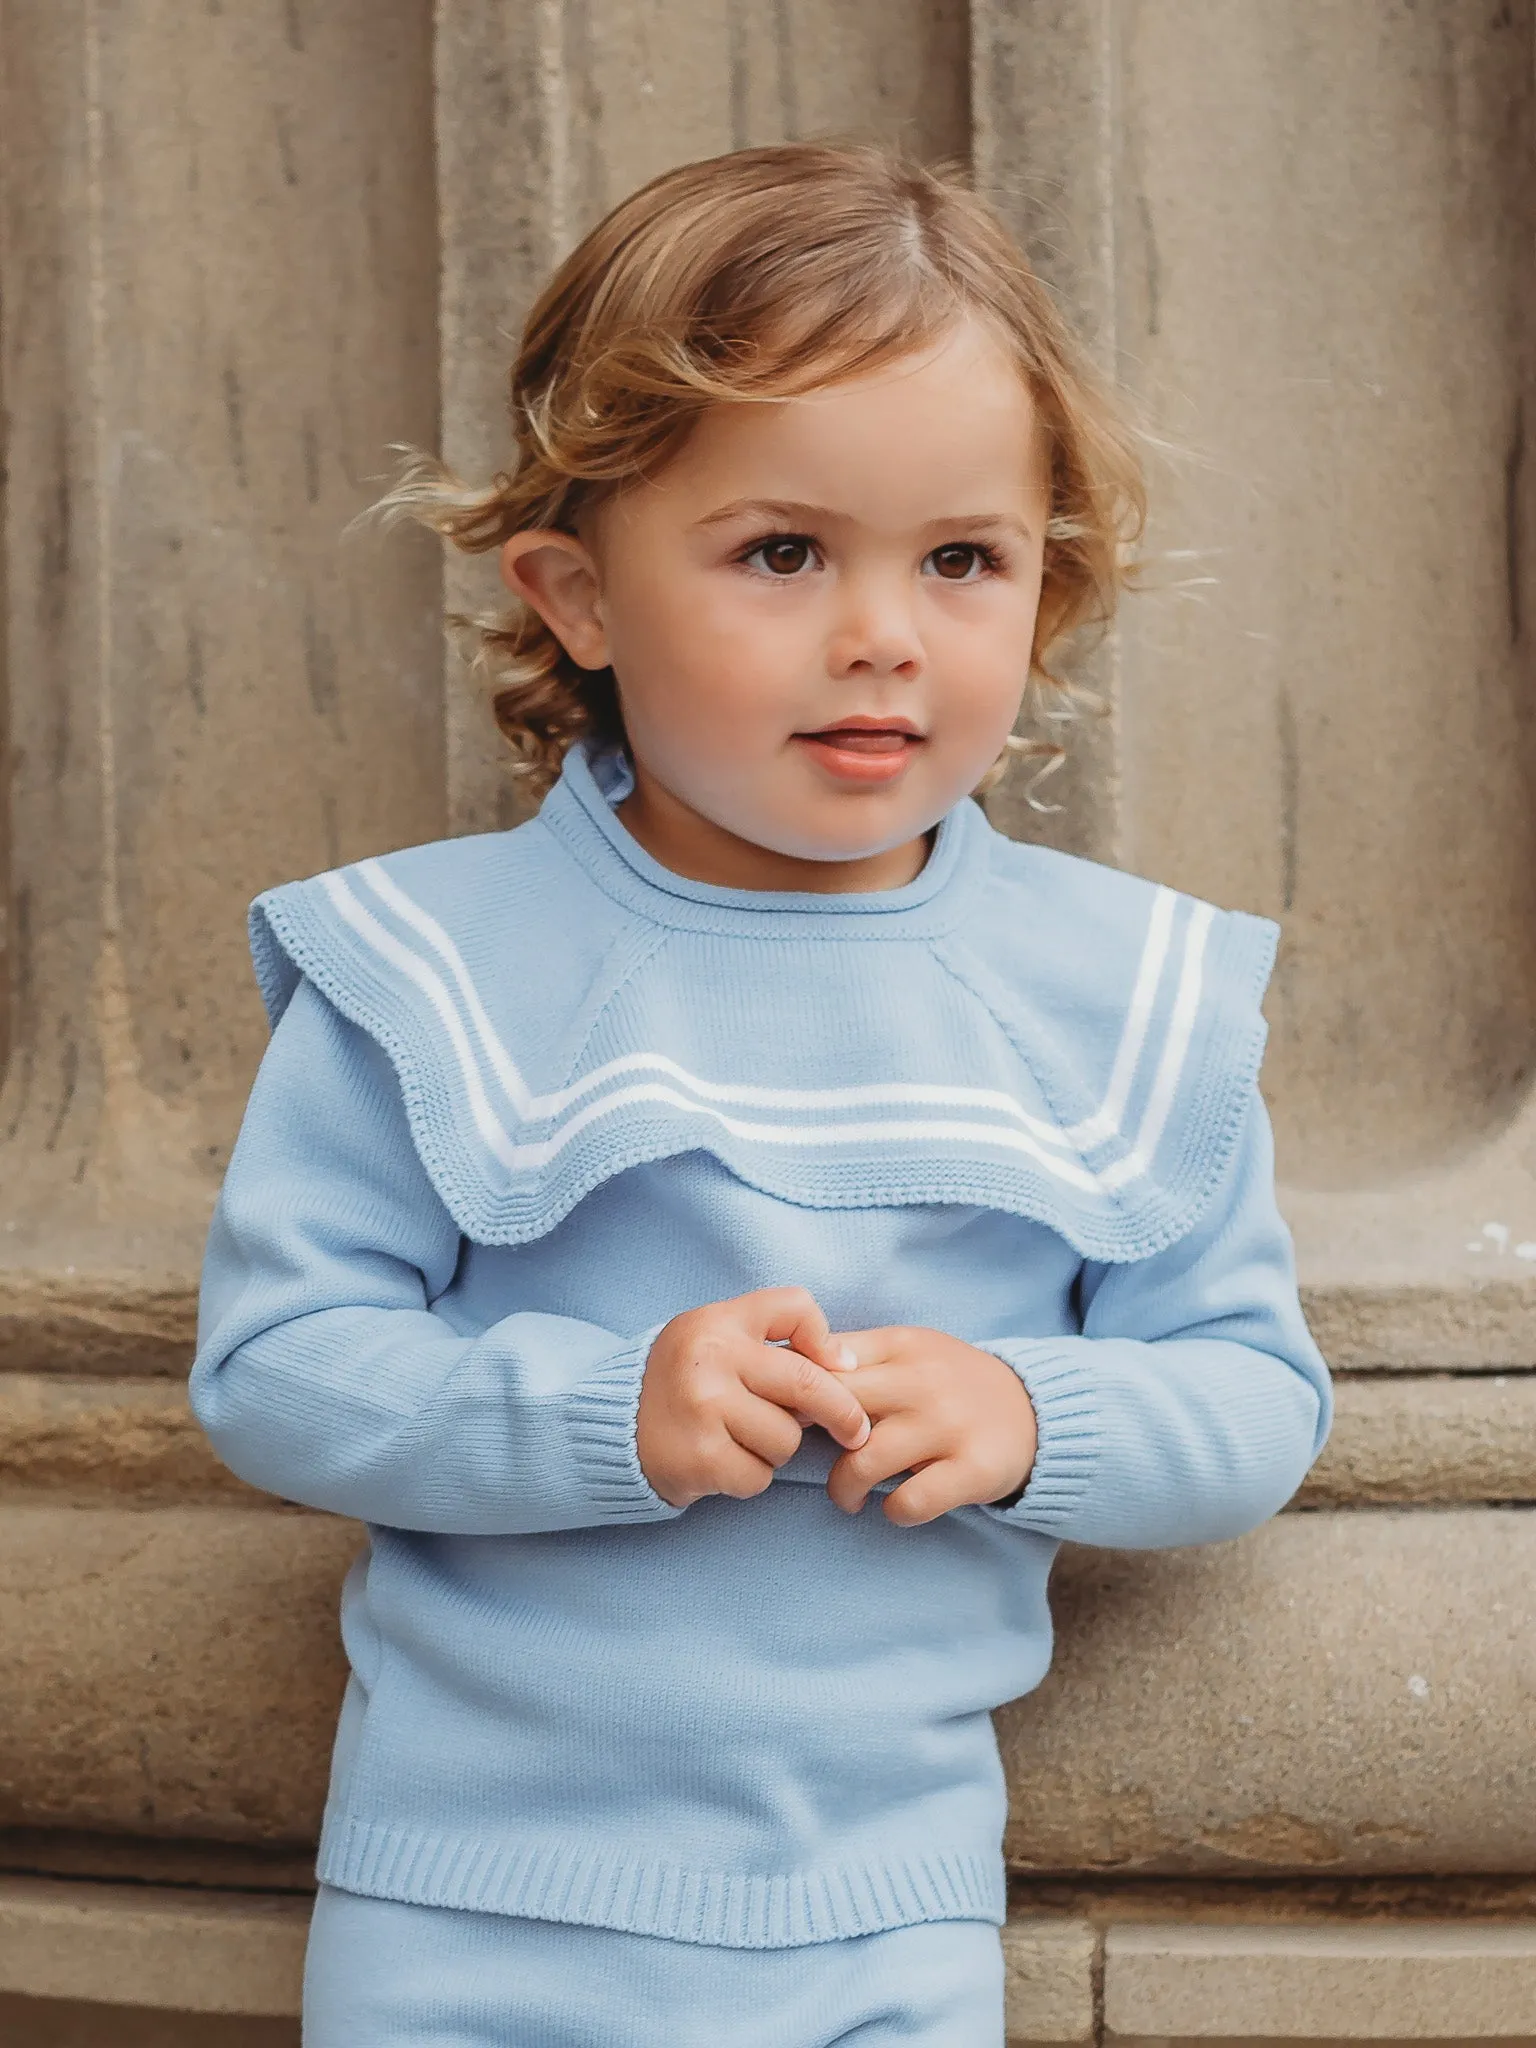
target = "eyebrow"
x: 795, y: 509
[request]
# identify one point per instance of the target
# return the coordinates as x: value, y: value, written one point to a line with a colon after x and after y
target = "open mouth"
x: 863, y: 751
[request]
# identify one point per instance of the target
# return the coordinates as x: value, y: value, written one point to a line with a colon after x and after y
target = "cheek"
x: 983, y: 649
x: 644, y: 619
x: 701, y: 649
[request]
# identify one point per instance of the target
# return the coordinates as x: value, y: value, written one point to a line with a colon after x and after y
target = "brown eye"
x: 785, y: 554
x: 956, y: 561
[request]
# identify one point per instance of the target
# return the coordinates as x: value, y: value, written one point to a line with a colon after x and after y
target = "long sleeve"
x: 323, y: 1373
x: 1193, y: 1402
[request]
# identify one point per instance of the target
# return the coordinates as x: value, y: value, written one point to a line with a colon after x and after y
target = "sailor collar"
x: 1037, y: 1033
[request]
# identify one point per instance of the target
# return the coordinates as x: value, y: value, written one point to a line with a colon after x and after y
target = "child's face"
x: 819, y: 617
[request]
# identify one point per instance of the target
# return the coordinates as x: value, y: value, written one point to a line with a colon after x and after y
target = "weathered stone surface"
x: 66, y: 2023
x: 172, y: 1671
x: 1337, y: 1693
x: 97, y: 1321
x: 1278, y: 1899
x: 1442, y: 1440
x: 145, y: 1859
x: 1414, y: 1983
x: 88, y: 1439
x: 133, y: 1945
x: 1051, y: 1964
x: 1045, y: 88
x: 220, y: 282
x: 177, y: 1954
x: 188, y: 1952
x: 1452, y: 1439
x: 1395, y: 1325
x: 1424, y: 1276
x: 1304, y: 243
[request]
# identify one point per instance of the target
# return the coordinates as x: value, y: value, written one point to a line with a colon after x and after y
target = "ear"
x: 556, y: 574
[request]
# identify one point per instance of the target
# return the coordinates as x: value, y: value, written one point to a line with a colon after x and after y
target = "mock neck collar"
x: 580, y: 810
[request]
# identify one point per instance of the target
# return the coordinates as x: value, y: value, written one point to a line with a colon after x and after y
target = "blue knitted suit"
x: 529, y: 1095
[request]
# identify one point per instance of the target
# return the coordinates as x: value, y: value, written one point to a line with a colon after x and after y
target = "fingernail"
x: 864, y: 1433
x: 844, y: 1357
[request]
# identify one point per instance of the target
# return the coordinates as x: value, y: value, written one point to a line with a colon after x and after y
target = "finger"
x: 793, y: 1382
x: 792, y: 1315
x: 867, y: 1347
x: 763, y: 1428
x: 929, y: 1493
x: 894, y: 1446
x: 739, y: 1474
x: 886, y: 1389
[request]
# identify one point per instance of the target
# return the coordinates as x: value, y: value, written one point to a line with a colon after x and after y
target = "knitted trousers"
x: 384, y: 1975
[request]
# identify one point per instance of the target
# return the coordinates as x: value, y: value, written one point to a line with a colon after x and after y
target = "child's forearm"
x: 382, y: 1413
x: 1147, y: 1445
x: 322, y: 1372
x: 1194, y: 1399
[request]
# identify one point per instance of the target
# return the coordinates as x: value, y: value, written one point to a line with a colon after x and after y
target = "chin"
x: 833, y: 845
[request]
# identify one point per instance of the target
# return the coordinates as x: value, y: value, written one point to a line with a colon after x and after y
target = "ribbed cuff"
x: 603, y: 1410
x: 1056, y: 1378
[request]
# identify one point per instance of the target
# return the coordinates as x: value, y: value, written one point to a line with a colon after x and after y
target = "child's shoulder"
x: 1101, y: 940
x: 413, y: 914
x: 465, y: 868
x: 1075, y: 888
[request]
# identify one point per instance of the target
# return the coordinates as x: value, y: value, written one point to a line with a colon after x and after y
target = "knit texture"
x: 1045, y: 1036
x: 530, y: 1095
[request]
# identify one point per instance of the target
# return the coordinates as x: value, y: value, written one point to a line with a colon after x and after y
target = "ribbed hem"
x: 602, y: 1412
x: 1057, y: 1380
x: 593, y: 1887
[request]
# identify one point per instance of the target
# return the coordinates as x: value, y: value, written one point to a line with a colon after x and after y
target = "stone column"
x: 1301, y: 236
x: 220, y: 306
x: 220, y: 286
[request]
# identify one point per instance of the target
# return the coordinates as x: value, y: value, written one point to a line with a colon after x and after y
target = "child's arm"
x: 324, y: 1375
x: 1188, y: 1410
x: 1194, y: 1401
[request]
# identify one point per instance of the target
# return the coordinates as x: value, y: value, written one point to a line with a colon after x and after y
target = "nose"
x: 875, y: 632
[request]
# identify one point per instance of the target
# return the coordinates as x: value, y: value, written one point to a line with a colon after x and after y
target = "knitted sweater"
x: 529, y: 1095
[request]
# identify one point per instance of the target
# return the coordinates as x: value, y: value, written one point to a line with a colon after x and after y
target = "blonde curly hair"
x: 753, y: 277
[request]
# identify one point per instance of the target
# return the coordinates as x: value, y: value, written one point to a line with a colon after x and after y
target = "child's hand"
x: 957, y: 1418
x: 721, y: 1406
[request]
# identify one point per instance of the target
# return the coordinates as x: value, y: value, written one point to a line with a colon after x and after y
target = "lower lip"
x: 867, y: 764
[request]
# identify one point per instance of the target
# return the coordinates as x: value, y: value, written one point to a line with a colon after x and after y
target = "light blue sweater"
x: 528, y: 1096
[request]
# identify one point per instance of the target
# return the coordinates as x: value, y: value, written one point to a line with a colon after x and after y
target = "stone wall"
x: 1278, y: 1789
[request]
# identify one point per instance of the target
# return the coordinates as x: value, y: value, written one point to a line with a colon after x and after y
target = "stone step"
x: 1070, y: 1983
x: 1338, y: 1694
x: 1440, y: 1439
x: 1434, y: 1982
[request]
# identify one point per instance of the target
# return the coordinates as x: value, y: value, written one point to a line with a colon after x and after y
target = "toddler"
x: 722, y: 1235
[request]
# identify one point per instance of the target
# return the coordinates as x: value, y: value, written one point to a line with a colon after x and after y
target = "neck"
x: 698, y: 849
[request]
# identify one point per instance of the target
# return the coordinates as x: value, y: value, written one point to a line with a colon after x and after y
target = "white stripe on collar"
x: 1035, y: 1136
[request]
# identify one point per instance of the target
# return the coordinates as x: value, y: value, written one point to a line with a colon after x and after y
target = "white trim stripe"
x: 487, y: 1123
x: 1097, y: 1129
x: 1105, y: 1121
x: 1181, y: 1027
x: 1035, y: 1139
